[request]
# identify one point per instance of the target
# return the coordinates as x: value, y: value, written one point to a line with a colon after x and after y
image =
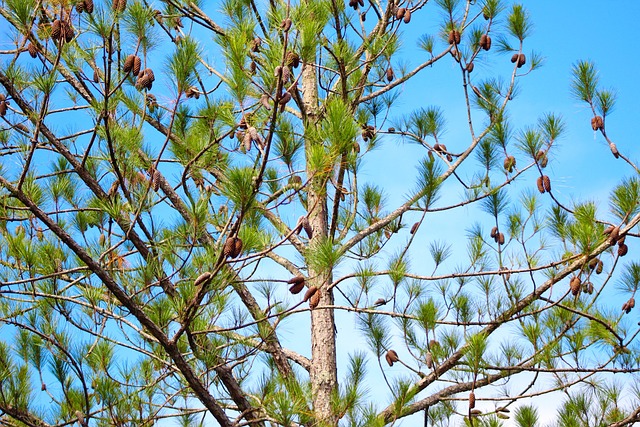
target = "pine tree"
x: 185, y: 213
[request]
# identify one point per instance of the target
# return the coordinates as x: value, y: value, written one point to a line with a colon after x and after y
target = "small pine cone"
x: 494, y: 233
x: 470, y: 67
x: 540, y: 185
x: 286, y: 24
x: 137, y: 63
x: 264, y: 100
x: 128, y: 63
x: 622, y: 249
x: 622, y: 239
x: 631, y: 302
x: 521, y: 60
x: 155, y: 180
x: 429, y: 360
x: 514, y: 57
x: 80, y: 6
x: 33, y: 50
x: 202, y: 279
x: 3, y: 108
x: 56, y: 28
x: 353, y: 4
x: 391, y: 357
x: 192, y: 92
x: 414, y: 228
x: 379, y: 302
x: 314, y: 300
x: 599, y: 267
x: 255, y: 44
x: 593, y: 263
x: 475, y: 412
x: 575, y: 285
x: 253, y: 67
x: 597, y: 123
x: 613, y: 236
x: 390, y: 75
x: 306, y: 226
x: 614, y: 150
x: 143, y: 82
x: 69, y: 34
x: 310, y: 293
x: 501, y: 239
x: 237, y: 248
x: 361, y: 3
x: 625, y: 307
x: 121, y: 5
x: 509, y: 163
x: 485, y: 41
x: 296, y: 288
x: 88, y: 6
x: 546, y: 182
x: 400, y: 13
x: 229, y: 246
x: 472, y: 400
x: 454, y: 37
x: 293, y: 60
x: 407, y: 17
x: 286, y: 97
x: 296, y: 280
x: 149, y: 72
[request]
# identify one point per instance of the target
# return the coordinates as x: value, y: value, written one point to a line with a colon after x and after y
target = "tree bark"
x: 323, y: 373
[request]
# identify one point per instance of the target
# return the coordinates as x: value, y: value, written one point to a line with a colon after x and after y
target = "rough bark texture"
x: 323, y: 373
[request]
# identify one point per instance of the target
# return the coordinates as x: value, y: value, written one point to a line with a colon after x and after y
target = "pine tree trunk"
x: 323, y: 373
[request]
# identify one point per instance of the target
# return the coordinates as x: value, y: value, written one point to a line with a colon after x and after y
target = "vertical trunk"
x: 323, y: 372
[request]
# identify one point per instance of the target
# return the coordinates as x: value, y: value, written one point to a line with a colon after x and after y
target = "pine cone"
x: 391, y: 357
x: 485, y: 41
x: 514, y: 57
x: 470, y: 67
x: 546, y: 182
x: 614, y: 150
x: 228, y: 248
x: 296, y: 280
x: 137, y: 63
x: 314, y: 300
x: 429, y: 360
x: 494, y: 233
x: 407, y: 16
x: 622, y: 249
x: 286, y: 24
x: 597, y: 123
x: 237, y: 248
x: 296, y: 288
x: 80, y: 6
x: 88, y: 6
x: 501, y: 239
x: 255, y: 44
x: 293, y: 59
x: 472, y: 400
x: 540, y: 185
x: 521, y: 60
x: 3, y: 108
x: 454, y: 37
x: 414, y: 228
x: 575, y: 285
x: 390, y: 75
x: 56, y: 28
x: 400, y: 13
x: 33, y: 50
x: 599, y: 267
x: 128, y: 64
x: 310, y: 293
x: 509, y: 163
x: 613, y: 236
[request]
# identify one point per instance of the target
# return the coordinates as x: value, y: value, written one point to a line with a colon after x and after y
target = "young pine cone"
x: 521, y: 60
x: 494, y: 233
x: 414, y: 228
x: 597, y: 123
x: 472, y: 400
x: 622, y: 249
x: 296, y: 288
x: 391, y: 357
x: 33, y: 50
x: 500, y: 239
x: 575, y: 285
x: 400, y: 13
x: 454, y: 37
x: 407, y: 17
x: 314, y: 300
x: 509, y: 163
x: 470, y: 67
x: 485, y: 42
x: 310, y: 294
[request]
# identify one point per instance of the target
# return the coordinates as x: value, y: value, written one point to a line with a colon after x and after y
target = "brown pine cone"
x: 293, y: 59
x: 494, y: 233
x: 296, y: 288
x: 391, y: 357
x: 286, y: 24
x: 414, y: 228
x: 137, y: 63
x: 88, y: 6
x: 314, y: 300
x: 485, y: 41
x: 540, y: 185
x: 501, y: 239
x: 546, y: 182
x: 80, y: 6
x: 390, y: 75
x: 514, y: 57
x: 599, y: 267
x: 400, y: 13
x: 622, y: 249
x: 228, y: 248
x: 407, y: 16
x: 597, y: 123
x: 614, y: 150
x: 237, y: 248
x: 33, y: 50
x: 472, y: 400
x: 521, y: 60
x: 310, y: 293
x: 295, y: 280
x: 3, y: 108
x: 470, y: 67
x: 128, y: 63
x: 575, y: 285
x: 56, y: 28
